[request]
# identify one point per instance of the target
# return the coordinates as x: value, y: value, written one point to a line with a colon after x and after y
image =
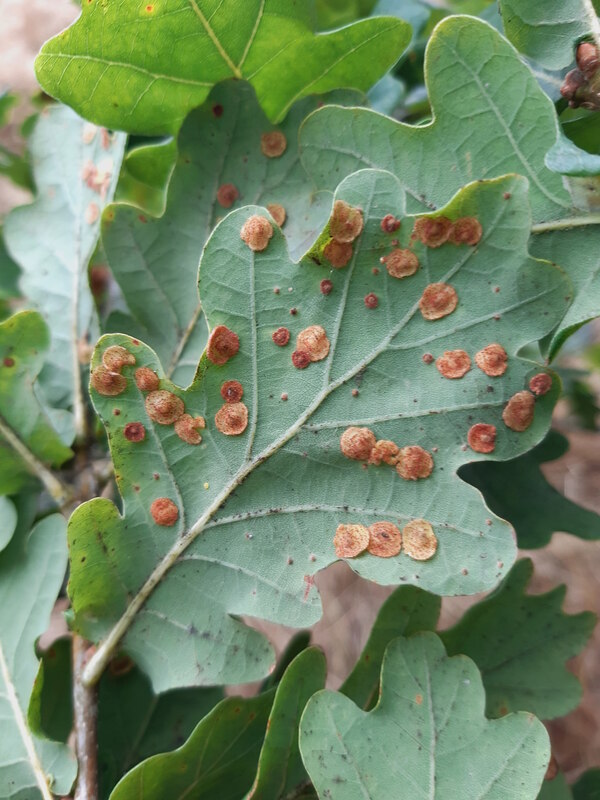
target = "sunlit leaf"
x: 133, y: 82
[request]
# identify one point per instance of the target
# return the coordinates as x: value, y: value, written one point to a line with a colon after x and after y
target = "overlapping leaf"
x: 408, y: 610
x: 444, y: 746
x: 8, y: 521
x: 217, y: 762
x: 280, y: 768
x: 133, y: 723
x: 75, y: 167
x: 490, y: 117
x: 578, y: 252
x: 32, y: 569
x: 520, y: 643
x: 28, y: 441
x: 556, y: 789
x: 257, y: 512
x: 134, y: 83
x: 548, y: 31
x: 155, y: 261
x: 505, y: 485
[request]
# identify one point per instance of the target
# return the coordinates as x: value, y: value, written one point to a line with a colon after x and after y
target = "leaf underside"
x: 155, y: 261
x: 75, y: 166
x: 256, y: 555
x: 32, y: 569
x: 489, y: 117
x: 444, y: 748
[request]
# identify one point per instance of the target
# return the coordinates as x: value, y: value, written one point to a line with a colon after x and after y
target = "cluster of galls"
x: 581, y: 86
x: 163, y: 407
x: 384, y: 539
x: 411, y: 462
x: 493, y: 360
x: 273, y: 145
x: 345, y: 225
x: 232, y: 418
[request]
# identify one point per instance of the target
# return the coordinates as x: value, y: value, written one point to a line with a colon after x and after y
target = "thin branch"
x: 85, y: 712
x: 565, y: 224
x: 58, y: 491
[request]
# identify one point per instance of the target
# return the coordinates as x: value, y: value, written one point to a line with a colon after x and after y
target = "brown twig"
x: 85, y: 712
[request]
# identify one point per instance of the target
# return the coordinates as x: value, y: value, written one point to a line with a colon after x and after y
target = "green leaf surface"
x: 238, y: 547
x: 520, y: 643
x: 547, y: 32
x: 588, y: 786
x: 490, y: 118
x: 217, y: 762
x: 280, y: 768
x: 155, y: 261
x: 50, y: 711
x: 8, y: 521
x: 567, y: 158
x: 53, y: 239
x: 556, y: 789
x: 577, y: 251
x: 28, y: 442
x: 299, y: 642
x: 115, y: 64
x: 145, y: 175
x: 9, y: 273
x: 135, y: 724
x: 408, y: 610
x: 32, y: 569
x: 444, y: 746
x: 258, y: 512
x: 518, y: 492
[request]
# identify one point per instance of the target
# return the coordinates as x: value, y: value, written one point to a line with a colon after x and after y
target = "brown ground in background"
x: 351, y: 603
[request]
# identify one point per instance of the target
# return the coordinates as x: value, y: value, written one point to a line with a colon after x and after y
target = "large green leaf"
x: 548, y: 31
x: 505, y: 485
x: 28, y: 441
x: 32, y: 570
x: 217, y: 762
x: 155, y: 261
x: 427, y: 737
x: 520, y: 643
x: 75, y: 167
x: 115, y: 65
x: 489, y: 117
x: 408, y: 610
x: 280, y: 768
x: 258, y: 512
